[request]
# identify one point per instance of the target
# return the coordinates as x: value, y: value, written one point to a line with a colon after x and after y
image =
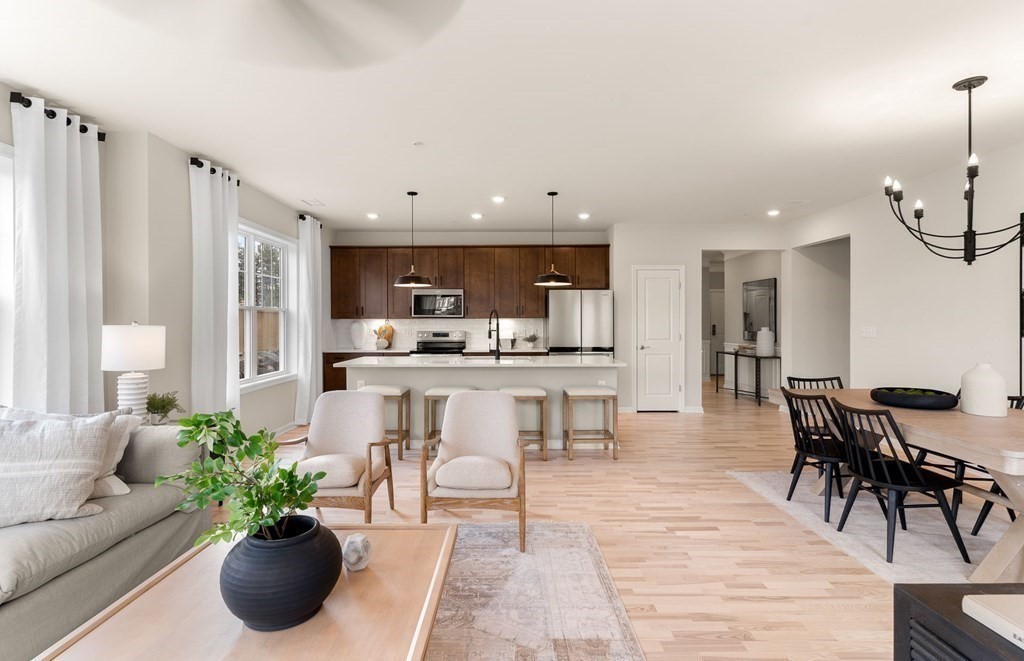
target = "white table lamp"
x: 133, y: 350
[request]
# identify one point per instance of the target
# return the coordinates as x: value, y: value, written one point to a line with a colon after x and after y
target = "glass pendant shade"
x: 412, y: 279
x: 553, y: 278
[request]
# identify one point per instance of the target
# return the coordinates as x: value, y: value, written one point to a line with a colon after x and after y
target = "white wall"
x: 670, y: 245
x: 820, y: 310
x: 756, y: 265
x: 934, y: 318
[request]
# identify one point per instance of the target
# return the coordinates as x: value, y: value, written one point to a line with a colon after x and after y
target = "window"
x: 264, y: 318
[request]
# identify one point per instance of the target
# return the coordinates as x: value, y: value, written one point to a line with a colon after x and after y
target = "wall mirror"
x: 759, y: 308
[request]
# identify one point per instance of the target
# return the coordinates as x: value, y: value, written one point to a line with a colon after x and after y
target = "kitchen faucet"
x: 497, y: 332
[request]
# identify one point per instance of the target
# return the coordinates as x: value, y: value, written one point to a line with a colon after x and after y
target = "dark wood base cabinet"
x: 334, y: 377
x: 930, y: 624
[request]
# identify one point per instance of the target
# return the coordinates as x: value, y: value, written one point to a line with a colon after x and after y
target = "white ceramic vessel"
x: 765, y: 342
x: 358, y: 333
x: 983, y: 392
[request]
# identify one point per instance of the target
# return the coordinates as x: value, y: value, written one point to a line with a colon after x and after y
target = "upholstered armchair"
x: 346, y: 440
x: 480, y: 463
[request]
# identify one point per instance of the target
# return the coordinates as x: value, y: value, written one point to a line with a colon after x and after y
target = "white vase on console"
x: 358, y: 333
x: 983, y: 392
x: 765, y: 342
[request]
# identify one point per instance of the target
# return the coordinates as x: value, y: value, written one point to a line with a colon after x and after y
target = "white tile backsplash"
x: 405, y: 332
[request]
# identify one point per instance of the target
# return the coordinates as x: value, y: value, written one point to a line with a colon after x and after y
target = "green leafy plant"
x: 163, y: 404
x: 260, y: 492
x: 531, y: 338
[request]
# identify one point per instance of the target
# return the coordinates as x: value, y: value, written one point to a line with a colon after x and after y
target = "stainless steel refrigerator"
x: 581, y: 321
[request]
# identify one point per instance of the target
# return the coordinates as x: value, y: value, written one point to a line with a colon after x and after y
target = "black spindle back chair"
x: 814, y: 442
x: 883, y: 464
x: 815, y: 383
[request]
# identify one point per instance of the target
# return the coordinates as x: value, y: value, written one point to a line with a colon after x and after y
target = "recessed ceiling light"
x: 498, y: 199
x: 584, y: 216
x: 476, y: 216
x: 313, y: 202
x: 773, y: 212
x: 372, y: 216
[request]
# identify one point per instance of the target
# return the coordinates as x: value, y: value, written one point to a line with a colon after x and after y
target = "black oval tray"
x: 939, y: 401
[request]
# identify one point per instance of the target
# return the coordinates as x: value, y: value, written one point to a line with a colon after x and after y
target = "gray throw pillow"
x: 48, y: 467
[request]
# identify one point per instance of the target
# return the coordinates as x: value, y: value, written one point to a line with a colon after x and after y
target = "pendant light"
x: 412, y: 279
x: 553, y: 278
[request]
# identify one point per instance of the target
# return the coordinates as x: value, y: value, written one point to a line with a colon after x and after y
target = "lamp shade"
x: 133, y: 348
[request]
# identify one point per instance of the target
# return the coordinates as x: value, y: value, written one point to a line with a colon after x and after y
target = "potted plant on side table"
x: 286, y: 564
x: 160, y: 406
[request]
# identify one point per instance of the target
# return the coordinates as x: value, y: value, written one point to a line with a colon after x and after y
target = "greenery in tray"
x: 242, y: 470
x: 912, y: 391
x: 163, y: 404
x: 531, y: 338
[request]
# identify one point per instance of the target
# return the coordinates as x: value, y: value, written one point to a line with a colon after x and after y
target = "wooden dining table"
x: 996, y: 444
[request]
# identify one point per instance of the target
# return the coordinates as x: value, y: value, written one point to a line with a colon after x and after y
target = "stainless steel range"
x: 440, y: 342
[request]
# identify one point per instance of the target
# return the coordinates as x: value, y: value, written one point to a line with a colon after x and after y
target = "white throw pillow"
x: 474, y: 472
x: 343, y: 470
x: 48, y: 467
x: 107, y: 484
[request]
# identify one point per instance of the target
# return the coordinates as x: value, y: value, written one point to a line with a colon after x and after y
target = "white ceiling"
x: 655, y: 111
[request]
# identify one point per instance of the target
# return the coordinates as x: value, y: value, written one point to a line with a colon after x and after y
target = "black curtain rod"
x: 18, y: 97
x: 198, y: 162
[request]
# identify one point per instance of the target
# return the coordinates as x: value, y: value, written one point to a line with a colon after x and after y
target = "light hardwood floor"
x: 706, y: 568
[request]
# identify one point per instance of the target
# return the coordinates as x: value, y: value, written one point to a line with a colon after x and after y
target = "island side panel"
x: 553, y: 379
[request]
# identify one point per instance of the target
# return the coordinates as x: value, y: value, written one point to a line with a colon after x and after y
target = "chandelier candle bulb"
x: 888, y: 186
x: 972, y: 166
x: 897, y: 191
x: 919, y: 210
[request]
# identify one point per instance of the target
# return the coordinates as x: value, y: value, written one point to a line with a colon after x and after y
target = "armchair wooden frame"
x: 518, y: 503
x: 365, y: 501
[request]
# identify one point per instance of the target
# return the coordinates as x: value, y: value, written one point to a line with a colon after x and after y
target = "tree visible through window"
x: 261, y: 306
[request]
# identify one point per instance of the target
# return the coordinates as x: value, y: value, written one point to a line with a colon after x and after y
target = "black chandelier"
x: 956, y: 246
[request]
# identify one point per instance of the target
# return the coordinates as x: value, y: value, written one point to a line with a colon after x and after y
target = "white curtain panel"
x: 310, y: 317
x: 58, y: 262
x: 214, y: 194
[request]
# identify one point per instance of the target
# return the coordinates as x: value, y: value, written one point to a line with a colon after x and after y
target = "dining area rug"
x: 923, y: 553
x: 556, y: 601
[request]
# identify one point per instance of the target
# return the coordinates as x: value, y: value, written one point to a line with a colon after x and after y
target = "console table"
x: 756, y: 393
x: 929, y: 623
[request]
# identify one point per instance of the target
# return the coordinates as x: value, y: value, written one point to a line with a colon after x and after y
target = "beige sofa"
x: 55, y: 575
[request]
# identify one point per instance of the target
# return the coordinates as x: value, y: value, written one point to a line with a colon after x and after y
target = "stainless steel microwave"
x: 438, y: 303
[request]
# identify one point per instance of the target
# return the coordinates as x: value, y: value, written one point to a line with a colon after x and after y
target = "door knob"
x: 642, y: 347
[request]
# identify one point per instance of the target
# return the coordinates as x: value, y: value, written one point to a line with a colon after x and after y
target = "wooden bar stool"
x: 399, y: 395
x: 431, y: 421
x: 539, y: 395
x: 610, y: 427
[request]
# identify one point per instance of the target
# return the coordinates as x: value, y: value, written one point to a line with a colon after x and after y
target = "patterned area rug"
x: 556, y: 601
x: 923, y: 553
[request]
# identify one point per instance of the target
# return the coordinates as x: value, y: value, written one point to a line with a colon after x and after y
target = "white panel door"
x: 659, y: 345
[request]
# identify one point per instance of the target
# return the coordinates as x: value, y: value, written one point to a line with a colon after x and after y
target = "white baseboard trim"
x: 627, y: 409
x: 285, y: 428
x: 693, y: 409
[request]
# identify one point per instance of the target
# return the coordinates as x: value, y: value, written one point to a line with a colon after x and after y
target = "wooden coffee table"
x: 385, y: 611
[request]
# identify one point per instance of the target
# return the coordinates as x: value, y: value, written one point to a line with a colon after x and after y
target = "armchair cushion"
x: 474, y: 472
x: 343, y: 470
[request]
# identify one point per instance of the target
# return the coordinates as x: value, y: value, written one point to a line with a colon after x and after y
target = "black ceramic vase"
x: 277, y: 584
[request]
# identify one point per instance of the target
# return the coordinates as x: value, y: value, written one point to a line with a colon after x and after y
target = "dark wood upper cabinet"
x: 506, y: 281
x: 492, y: 277
x: 346, y: 291
x: 373, y: 272
x: 532, y: 298
x: 450, y: 268
x: 591, y: 267
x: 479, y: 273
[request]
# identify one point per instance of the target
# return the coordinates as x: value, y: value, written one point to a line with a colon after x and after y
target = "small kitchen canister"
x: 983, y: 392
x: 765, y: 342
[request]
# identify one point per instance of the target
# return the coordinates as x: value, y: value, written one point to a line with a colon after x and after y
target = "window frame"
x: 288, y: 313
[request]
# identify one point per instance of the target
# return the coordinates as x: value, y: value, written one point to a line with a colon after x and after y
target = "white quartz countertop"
x: 482, y: 362
x: 373, y: 350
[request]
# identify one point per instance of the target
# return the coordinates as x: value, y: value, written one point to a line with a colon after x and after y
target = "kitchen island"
x: 552, y: 373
